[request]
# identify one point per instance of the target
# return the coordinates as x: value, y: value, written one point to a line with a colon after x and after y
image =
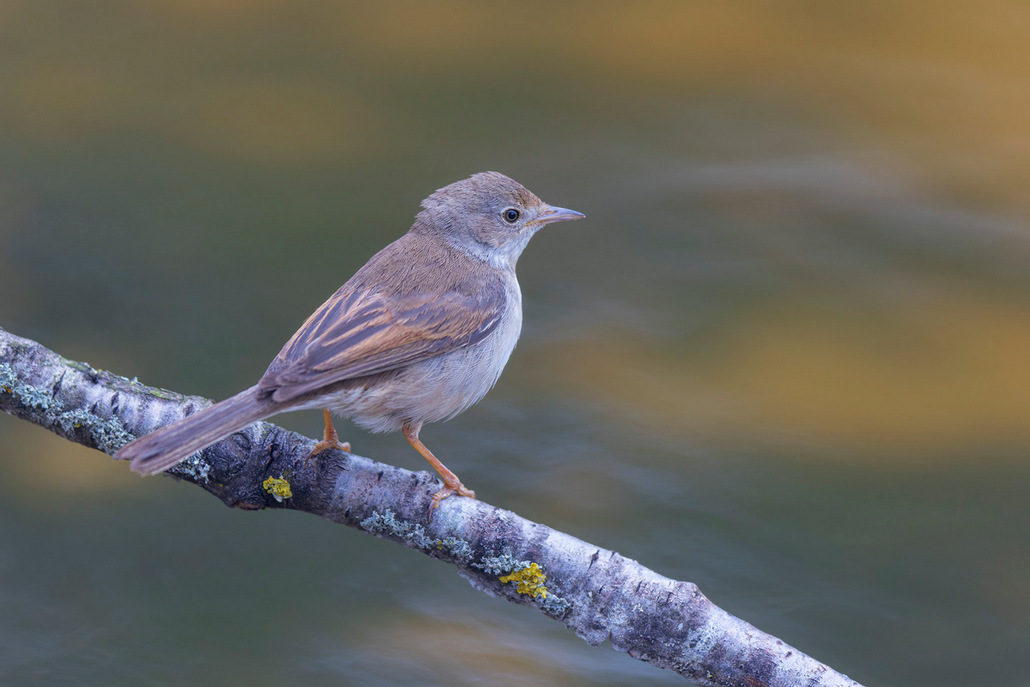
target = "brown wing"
x: 358, y: 333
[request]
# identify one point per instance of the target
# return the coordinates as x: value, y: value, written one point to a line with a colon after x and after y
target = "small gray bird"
x: 417, y: 335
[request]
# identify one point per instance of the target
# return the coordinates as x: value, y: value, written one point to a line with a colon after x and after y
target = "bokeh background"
x: 786, y: 357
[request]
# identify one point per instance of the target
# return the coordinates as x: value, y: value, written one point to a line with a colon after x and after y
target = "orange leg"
x: 330, y: 440
x: 451, y: 483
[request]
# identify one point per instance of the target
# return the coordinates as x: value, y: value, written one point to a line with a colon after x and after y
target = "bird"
x: 418, y: 335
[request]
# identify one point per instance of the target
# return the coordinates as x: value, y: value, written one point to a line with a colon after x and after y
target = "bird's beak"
x: 556, y: 214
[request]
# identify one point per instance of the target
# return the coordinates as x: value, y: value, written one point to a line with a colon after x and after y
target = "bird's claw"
x: 459, y: 489
x: 325, y: 445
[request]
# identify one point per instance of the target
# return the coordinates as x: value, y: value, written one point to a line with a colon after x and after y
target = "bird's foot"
x: 330, y: 440
x: 451, y: 483
x: 329, y: 445
x: 455, y: 488
x: 324, y: 445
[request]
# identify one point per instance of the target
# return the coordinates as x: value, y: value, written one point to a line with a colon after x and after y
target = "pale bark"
x: 596, y: 593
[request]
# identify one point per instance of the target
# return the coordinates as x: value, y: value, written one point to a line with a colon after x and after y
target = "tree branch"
x: 596, y: 593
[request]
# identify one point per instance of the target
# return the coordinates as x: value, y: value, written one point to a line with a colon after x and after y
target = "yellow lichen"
x: 531, y: 581
x: 278, y: 487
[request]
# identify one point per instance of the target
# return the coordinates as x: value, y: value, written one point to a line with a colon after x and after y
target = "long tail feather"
x: 163, y: 448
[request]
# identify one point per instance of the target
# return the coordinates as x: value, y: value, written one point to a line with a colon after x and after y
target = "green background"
x: 786, y: 357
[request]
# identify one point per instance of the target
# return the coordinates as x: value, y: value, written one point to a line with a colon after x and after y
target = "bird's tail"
x: 161, y: 449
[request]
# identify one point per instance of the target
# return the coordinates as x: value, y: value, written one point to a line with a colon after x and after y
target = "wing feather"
x: 357, y: 333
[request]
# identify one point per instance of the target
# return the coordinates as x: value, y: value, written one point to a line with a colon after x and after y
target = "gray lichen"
x: 555, y: 606
x: 34, y: 397
x: 386, y: 522
x: 8, y: 380
x: 501, y: 565
x: 459, y: 549
x: 108, y: 434
x: 196, y: 468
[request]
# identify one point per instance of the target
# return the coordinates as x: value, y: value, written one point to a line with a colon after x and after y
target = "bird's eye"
x: 511, y: 215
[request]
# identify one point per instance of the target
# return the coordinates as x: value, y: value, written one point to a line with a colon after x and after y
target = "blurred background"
x: 786, y: 357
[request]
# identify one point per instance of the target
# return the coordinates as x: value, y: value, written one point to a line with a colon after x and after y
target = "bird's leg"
x: 330, y: 439
x: 451, y: 483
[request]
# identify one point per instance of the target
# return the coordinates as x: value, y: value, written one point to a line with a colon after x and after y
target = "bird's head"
x: 488, y: 215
